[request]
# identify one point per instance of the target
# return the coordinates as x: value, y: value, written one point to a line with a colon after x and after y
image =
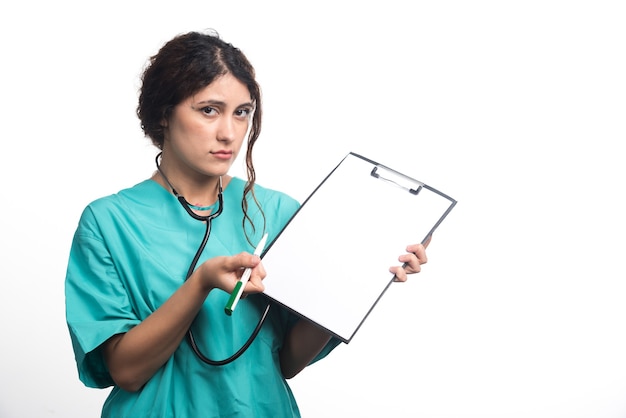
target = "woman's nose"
x: 226, y: 130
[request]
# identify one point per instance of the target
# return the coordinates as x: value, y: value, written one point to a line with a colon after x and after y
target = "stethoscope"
x: 208, y: 219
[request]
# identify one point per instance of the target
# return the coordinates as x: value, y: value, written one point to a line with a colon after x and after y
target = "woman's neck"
x: 202, y: 193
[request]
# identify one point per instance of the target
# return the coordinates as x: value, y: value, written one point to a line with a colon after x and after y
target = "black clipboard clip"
x: 399, y: 178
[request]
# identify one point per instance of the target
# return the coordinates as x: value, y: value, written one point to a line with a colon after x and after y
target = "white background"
x: 515, y: 108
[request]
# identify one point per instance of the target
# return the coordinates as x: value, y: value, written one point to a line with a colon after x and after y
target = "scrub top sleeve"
x: 330, y: 346
x: 97, y: 304
x: 291, y: 320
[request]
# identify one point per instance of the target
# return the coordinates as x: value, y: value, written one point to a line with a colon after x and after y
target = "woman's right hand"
x: 133, y: 357
x: 223, y: 272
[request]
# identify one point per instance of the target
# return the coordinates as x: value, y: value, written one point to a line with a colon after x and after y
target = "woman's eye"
x: 243, y: 113
x: 208, y: 110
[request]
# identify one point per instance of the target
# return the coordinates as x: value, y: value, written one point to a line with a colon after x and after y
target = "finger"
x: 241, y: 261
x: 261, y: 269
x: 410, y: 262
x: 419, y: 251
x: 255, y: 284
x: 399, y: 272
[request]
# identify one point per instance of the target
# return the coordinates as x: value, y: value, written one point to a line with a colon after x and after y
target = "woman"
x: 129, y: 301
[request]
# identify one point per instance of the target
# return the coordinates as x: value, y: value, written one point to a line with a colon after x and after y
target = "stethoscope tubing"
x: 208, y: 219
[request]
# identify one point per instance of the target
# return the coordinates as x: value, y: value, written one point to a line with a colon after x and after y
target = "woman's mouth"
x: 222, y: 155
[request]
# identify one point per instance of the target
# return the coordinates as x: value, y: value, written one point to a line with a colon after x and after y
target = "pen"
x: 238, y: 290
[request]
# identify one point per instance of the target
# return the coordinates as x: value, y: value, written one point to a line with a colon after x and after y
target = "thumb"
x: 246, y: 260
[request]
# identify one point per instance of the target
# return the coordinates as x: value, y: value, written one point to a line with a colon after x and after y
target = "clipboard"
x: 330, y: 264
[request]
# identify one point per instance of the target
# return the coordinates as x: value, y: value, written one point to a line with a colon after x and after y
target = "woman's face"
x: 205, y: 132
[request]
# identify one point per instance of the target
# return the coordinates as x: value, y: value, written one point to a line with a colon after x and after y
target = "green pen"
x: 238, y: 290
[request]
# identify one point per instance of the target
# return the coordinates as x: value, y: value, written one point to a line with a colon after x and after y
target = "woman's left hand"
x: 414, y: 258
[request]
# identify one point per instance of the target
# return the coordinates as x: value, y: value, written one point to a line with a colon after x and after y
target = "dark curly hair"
x: 182, y: 67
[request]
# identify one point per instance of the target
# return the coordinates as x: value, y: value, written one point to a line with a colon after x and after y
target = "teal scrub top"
x: 130, y: 253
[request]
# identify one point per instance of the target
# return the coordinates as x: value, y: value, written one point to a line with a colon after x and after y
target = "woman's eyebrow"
x: 221, y: 103
x: 211, y: 102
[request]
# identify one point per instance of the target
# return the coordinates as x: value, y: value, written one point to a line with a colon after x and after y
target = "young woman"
x: 151, y: 267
